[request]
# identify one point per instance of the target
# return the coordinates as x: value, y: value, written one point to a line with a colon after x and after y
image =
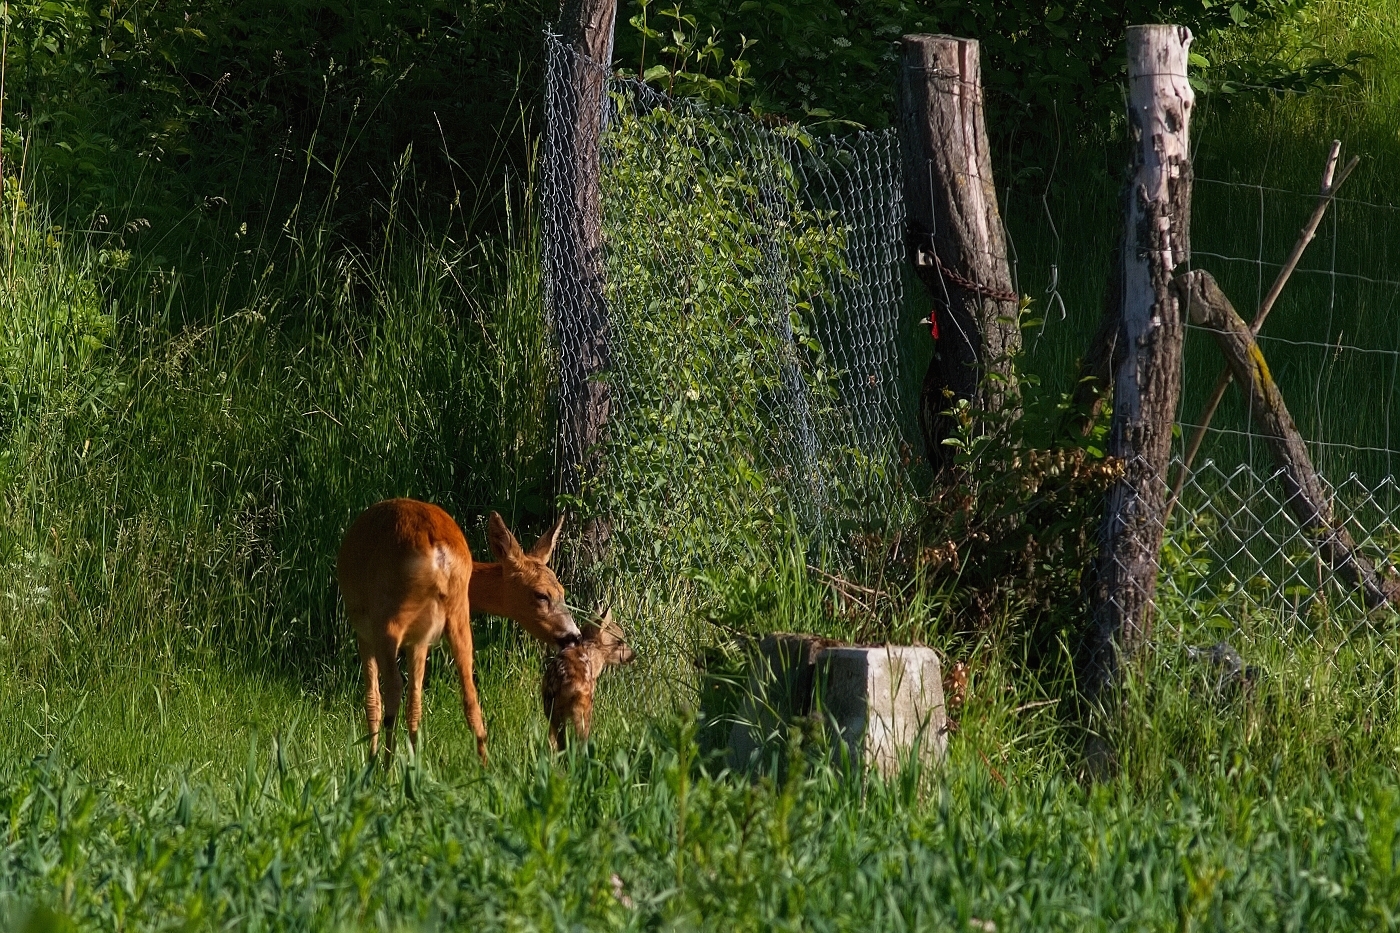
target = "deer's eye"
x: 542, y: 597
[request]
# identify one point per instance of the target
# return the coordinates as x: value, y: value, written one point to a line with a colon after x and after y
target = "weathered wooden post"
x: 955, y: 236
x: 574, y: 254
x: 1147, y: 382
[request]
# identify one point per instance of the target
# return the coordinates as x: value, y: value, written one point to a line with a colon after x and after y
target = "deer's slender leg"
x: 386, y: 654
x: 459, y: 639
x: 417, y: 661
x: 583, y: 717
x: 556, y: 730
x: 373, y: 710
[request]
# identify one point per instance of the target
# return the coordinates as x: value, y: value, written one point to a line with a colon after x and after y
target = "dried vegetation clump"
x: 1018, y: 529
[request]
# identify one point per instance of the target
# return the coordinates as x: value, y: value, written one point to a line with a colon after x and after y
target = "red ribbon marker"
x: 932, y: 322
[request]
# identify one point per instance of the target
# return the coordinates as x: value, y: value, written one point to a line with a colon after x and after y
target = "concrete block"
x: 874, y: 703
x: 882, y: 702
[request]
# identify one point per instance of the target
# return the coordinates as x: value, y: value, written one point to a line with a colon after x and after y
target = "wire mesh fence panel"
x: 1235, y: 539
x: 1238, y: 568
x: 753, y: 299
x: 1245, y: 604
x: 1330, y: 341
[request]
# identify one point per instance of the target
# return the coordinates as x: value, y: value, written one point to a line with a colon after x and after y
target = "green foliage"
x: 1044, y: 62
x: 688, y: 58
x: 714, y: 269
x: 180, y: 457
x: 151, y: 106
x: 1013, y: 523
x: 647, y: 835
x: 180, y: 449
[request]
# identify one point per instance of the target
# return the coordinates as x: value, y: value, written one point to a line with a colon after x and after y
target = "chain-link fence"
x: 1245, y: 595
x: 1240, y: 575
x: 752, y: 353
x: 758, y: 366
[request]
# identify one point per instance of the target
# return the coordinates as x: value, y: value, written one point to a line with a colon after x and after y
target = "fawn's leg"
x: 557, y: 722
x: 459, y: 639
x: 583, y: 717
x: 373, y: 711
x: 417, y: 661
x: 387, y: 654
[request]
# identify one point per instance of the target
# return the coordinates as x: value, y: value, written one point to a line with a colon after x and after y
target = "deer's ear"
x: 544, y: 547
x: 503, y: 543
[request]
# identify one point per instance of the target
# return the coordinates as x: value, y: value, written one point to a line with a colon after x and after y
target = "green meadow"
x: 191, y: 413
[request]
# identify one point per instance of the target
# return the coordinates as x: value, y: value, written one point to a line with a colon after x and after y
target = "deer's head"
x: 532, y: 594
x: 605, y: 641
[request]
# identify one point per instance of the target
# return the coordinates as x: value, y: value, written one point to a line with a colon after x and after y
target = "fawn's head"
x: 532, y: 594
x: 604, y: 639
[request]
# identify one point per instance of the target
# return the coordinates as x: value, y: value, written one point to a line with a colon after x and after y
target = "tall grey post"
x: 1147, y: 381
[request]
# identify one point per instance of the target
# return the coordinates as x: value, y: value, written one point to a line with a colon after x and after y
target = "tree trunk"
x: 956, y: 240
x: 1303, y: 491
x: 573, y: 258
x: 1147, y: 384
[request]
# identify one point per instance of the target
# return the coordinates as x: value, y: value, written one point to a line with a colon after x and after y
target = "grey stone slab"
x: 884, y: 703
x: 878, y: 704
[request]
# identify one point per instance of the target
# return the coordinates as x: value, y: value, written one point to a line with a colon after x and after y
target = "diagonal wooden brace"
x: 1304, y: 493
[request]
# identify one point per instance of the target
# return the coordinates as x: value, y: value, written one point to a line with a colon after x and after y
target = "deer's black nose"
x: 569, y: 639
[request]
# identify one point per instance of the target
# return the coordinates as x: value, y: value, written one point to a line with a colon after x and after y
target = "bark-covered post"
x: 1147, y: 383
x: 574, y: 257
x: 956, y: 240
x: 1303, y: 492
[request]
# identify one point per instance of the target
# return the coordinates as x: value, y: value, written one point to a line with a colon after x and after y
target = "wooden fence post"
x: 1147, y: 383
x: 574, y: 264
x: 956, y: 240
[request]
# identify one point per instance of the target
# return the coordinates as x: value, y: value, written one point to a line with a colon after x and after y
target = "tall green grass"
x: 646, y: 836
x: 185, y: 445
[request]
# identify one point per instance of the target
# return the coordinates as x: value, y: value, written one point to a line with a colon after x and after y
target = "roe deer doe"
x: 570, y: 676
x: 407, y: 577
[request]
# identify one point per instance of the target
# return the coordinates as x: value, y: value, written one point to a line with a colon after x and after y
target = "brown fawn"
x: 570, y: 676
x: 408, y: 578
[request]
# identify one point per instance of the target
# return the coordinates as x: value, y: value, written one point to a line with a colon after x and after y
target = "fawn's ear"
x: 503, y: 543
x: 596, y: 631
x: 544, y: 547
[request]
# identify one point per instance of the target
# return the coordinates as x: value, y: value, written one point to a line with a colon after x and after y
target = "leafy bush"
x: 715, y: 265
x: 156, y: 106
x: 1014, y: 526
